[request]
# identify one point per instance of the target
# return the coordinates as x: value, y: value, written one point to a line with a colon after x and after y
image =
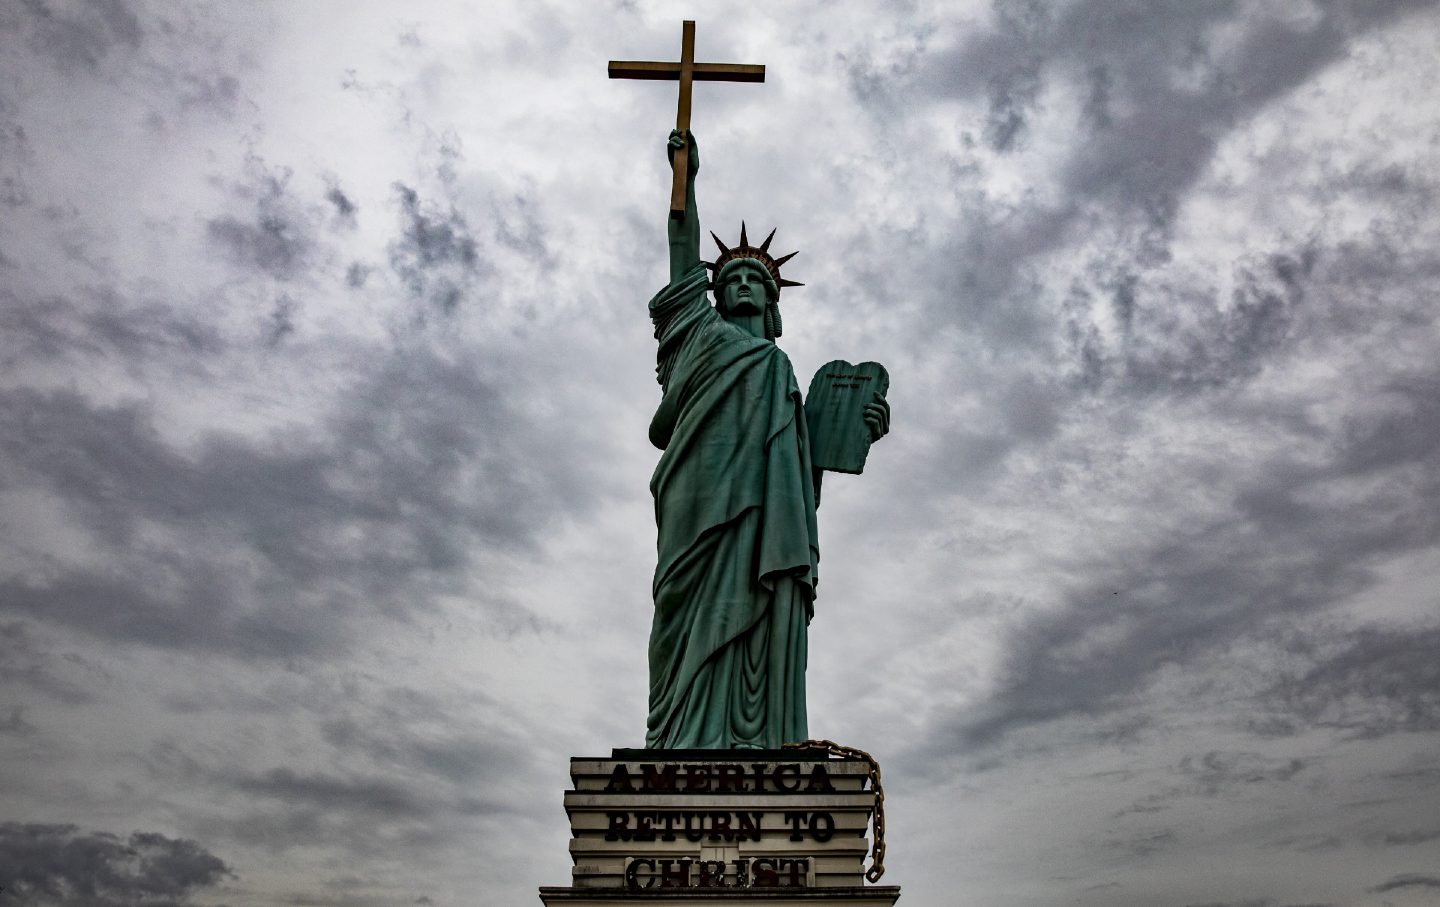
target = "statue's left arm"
x: 877, y: 419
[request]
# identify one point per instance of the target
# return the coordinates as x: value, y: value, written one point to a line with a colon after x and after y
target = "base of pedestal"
x: 871, y: 896
x: 666, y: 828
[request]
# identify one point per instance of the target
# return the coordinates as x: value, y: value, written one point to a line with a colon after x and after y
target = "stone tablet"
x: 834, y: 409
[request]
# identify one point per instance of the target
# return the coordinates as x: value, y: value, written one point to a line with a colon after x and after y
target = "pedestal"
x: 687, y: 827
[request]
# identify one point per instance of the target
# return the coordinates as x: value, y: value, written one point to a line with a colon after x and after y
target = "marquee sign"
x: 729, y: 822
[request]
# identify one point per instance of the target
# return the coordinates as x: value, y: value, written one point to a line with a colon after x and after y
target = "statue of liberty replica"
x: 729, y: 794
x: 735, y: 496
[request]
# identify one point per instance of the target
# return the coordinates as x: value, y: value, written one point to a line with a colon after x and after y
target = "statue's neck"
x: 754, y: 325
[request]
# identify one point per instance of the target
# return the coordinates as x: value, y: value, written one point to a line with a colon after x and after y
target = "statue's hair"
x: 772, y: 320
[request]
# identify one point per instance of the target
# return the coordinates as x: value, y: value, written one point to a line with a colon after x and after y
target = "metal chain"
x: 877, y: 853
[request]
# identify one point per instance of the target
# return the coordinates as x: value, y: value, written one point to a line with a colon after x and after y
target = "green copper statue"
x: 735, y: 497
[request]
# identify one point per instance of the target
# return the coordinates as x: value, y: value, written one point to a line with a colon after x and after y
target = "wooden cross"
x: 685, y: 71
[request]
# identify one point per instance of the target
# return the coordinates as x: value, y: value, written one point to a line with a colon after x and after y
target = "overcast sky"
x: 325, y: 373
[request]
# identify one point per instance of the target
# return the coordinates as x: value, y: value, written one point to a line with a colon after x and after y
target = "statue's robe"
x: 735, y: 506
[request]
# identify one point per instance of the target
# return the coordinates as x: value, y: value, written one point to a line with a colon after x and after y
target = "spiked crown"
x: 760, y: 254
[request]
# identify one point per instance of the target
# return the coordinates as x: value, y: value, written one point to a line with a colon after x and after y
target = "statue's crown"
x: 760, y: 253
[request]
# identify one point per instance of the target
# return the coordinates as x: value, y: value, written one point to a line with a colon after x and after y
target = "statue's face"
x: 745, y: 292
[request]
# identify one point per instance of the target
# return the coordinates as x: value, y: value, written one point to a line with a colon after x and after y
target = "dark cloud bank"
x: 62, y: 866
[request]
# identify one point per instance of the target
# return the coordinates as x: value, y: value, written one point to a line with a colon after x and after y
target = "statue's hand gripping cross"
x: 685, y: 71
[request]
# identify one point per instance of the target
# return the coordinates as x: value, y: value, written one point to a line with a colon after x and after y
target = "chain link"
x: 877, y: 853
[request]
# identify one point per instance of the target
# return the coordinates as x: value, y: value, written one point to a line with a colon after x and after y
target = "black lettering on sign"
x: 697, y: 777
x: 765, y: 874
x: 749, y: 826
x: 678, y: 877
x: 619, y: 780
x: 761, y: 872
x: 795, y: 820
x: 722, y: 777
x: 619, y: 827
x: 759, y: 769
x: 692, y: 832
x: 820, y: 780
x: 632, y: 874
x: 647, y: 825
x: 742, y: 873
x: 820, y: 826
x: 644, y: 831
x: 730, y: 777
x: 720, y: 827
x: 795, y: 872
x: 712, y: 874
x: 777, y: 777
x: 661, y: 779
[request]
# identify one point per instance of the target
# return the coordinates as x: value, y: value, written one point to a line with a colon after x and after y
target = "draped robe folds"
x: 738, y: 551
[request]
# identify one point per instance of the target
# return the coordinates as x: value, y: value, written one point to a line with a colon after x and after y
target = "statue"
x: 736, y: 487
x: 735, y: 498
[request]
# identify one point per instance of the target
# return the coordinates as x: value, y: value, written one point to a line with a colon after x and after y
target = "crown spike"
x: 759, y: 256
x: 709, y: 265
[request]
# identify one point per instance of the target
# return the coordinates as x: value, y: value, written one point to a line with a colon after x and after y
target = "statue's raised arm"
x: 684, y: 232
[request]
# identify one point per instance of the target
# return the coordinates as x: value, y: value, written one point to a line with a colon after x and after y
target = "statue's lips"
x: 745, y: 304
